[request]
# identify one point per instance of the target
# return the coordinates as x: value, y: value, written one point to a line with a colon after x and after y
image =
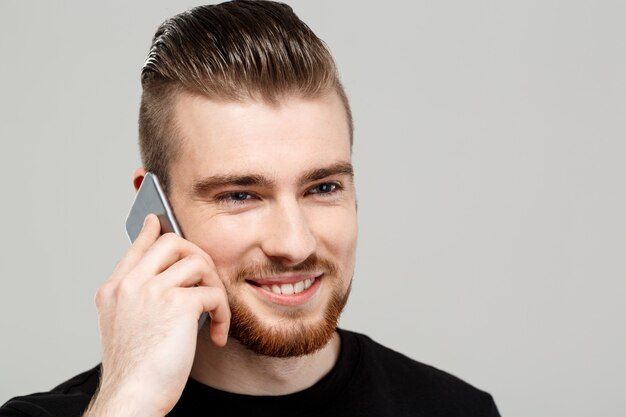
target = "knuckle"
x: 172, y: 298
x: 151, y: 289
x: 125, y: 288
x: 104, y: 293
x: 207, y: 259
x: 169, y: 239
x: 197, y: 261
x: 221, y: 293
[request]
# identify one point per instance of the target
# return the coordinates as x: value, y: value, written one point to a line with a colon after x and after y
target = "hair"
x: 231, y: 51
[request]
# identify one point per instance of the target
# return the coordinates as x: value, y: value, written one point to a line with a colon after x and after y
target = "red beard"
x: 300, y: 338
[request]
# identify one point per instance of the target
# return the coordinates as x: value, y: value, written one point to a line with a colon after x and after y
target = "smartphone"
x: 150, y: 198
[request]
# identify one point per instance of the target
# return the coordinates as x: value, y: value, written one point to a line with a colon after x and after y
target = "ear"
x: 138, y: 177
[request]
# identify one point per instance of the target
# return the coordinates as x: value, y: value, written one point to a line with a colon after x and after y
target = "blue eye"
x: 239, y: 195
x: 325, y: 188
x: 235, y: 197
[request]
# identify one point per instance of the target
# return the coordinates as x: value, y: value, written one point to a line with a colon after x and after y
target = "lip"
x: 288, y: 299
x: 287, y: 279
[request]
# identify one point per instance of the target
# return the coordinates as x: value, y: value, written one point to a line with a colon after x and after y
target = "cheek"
x: 233, y: 240
x: 228, y: 238
x: 336, y: 233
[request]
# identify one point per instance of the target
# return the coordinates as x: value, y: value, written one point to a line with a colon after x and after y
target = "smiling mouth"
x: 286, y: 285
x: 286, y: 289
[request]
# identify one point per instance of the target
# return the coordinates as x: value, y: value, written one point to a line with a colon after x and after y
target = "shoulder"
x: 386, y: 361
x: 418, y: 382
x: 68, y: 399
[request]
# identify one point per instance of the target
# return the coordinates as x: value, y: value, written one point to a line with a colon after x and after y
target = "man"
x: 244, y: 120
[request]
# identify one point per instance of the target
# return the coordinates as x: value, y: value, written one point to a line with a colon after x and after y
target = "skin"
x: 148, y: 308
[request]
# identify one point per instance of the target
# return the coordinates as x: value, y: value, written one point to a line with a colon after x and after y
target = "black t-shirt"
x: 367, y: 380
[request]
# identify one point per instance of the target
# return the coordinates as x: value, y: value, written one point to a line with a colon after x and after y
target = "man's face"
x: 267, y: 192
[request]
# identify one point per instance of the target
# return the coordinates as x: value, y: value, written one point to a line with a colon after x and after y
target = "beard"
x: 293, y: 335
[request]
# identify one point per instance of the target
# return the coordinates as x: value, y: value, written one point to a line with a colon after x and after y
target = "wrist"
x: 122, y: 400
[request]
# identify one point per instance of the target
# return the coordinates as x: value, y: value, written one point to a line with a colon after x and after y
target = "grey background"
x: 490, y: 148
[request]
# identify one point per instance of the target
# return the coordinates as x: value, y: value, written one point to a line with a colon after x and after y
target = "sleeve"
x: 49, y: 404
x: 489, y: 408
x: 20, y: 408
x: 68, y: 399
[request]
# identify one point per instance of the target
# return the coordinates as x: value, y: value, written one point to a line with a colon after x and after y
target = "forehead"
x: 279, y: 140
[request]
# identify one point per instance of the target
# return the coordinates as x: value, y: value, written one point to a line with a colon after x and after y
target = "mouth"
x: 288, y: 290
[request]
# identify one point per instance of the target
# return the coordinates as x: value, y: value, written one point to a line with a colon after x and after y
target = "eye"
x: 235, y: 197
x: 325, y: 188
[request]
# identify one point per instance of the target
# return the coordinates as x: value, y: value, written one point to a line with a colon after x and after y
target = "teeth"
x: 289, y: 289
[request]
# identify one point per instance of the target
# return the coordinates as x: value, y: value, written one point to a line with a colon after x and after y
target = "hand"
x: 148, y: 312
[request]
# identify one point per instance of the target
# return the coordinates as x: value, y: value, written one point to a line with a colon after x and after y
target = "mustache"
x: 313, y: 264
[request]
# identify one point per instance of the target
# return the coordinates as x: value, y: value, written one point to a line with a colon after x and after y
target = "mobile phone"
x: 150, y: 198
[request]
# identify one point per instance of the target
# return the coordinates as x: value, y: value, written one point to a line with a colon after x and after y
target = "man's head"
x: 232, y: 51
x: 246, y: 123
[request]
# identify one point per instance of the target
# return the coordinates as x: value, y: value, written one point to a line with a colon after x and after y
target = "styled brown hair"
x: 233, y: 51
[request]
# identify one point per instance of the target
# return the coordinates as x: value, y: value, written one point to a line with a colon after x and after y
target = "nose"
x: 288, y: 237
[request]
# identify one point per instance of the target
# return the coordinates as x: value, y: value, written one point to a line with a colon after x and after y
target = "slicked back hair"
x: 231, y: 51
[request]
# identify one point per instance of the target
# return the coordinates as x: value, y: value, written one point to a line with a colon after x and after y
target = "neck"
x: 236, y: 369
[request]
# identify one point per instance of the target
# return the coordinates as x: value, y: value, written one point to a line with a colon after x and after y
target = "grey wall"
x: 490, y: 150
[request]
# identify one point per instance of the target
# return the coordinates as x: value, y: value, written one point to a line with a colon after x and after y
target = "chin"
x: 287, y: 331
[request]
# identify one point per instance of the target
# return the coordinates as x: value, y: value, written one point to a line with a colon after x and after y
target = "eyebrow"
x: 340, y: 168
x: 206, y: 185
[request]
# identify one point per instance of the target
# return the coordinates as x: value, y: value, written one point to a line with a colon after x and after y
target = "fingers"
x: 214, y: 301
x: 165, y: 276
x: 152, y: 253
x: 194, y: 270
x: 167, y: 250
x: 149, y: 233
x: 188, y: 271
